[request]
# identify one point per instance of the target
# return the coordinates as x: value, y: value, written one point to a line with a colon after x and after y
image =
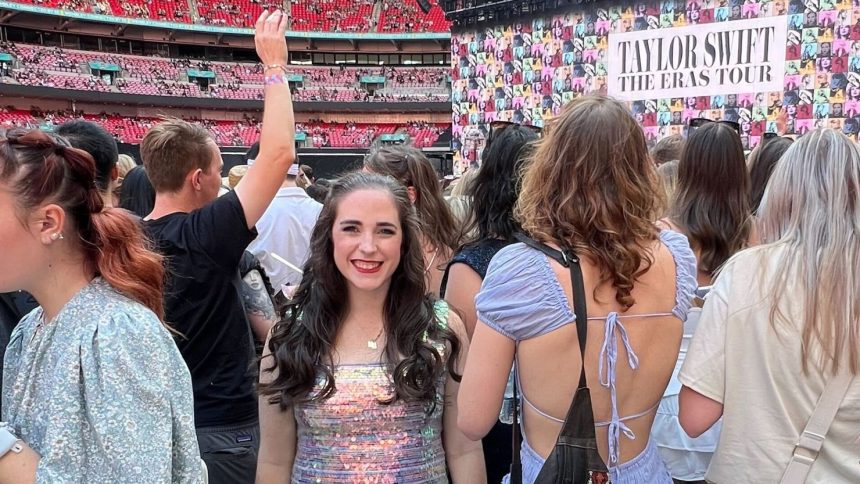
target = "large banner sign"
x: 727, y: 58
x: 753, y: 62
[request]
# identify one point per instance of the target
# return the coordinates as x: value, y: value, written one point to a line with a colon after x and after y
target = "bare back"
x: 550, y: 363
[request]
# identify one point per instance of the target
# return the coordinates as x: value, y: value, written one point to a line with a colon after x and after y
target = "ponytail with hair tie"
x: 39, y: 168
x: 33, y: 139
x: 95, y: 203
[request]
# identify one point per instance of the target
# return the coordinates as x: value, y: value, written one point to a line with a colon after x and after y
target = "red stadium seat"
x: 232, y: 133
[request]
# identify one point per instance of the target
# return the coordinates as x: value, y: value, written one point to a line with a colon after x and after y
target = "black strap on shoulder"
x: 568, y: 259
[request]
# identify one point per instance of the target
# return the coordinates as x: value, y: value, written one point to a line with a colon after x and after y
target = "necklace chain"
x: 371, y: 343
x: 40, y: 324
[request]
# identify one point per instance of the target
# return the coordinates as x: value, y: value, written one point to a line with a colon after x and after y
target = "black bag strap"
x: 516, y: 461
x: 567, y: 259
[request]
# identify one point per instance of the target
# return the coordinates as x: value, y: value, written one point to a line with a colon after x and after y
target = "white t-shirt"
x: 737, y: 358
x: 285, y: 229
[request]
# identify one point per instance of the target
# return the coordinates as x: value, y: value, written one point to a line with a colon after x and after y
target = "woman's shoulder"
x: 517, y: 263
x: 477, y: 255
x: 521, y: 296
x: 104, y: 315
x: 118, y: 306
x: 748, y: 263
x: 686, y: 269
x: 515, y: 255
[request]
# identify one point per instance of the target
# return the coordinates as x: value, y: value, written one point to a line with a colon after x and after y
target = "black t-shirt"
x: 203, y: 302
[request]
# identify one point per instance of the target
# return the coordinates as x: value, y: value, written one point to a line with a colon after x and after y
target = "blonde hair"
x: 668, y: 174
x: 124, y: 164
x: 235, y: 175
x: 463, y: 188
x: 812, y: 207
x: 590, y: 186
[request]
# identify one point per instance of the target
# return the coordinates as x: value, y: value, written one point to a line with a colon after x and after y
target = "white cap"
x: 294, y: 170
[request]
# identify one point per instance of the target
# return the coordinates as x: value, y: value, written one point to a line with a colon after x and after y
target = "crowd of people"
x: 233, y: 13
x: 407, y: 17
x: 332, y: 15
x: 146, y: 10
x: 369, y: 329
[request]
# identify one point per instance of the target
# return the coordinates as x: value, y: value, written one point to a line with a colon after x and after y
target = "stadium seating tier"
x: 305, y: 15
x: 232, y: 133
x: 65, y: 68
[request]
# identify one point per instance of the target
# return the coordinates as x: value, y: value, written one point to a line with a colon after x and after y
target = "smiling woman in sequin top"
x: 359, y: 381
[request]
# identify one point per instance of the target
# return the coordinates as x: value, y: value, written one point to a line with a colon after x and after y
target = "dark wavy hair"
x: 711, y: 203
x: 301, y: 344
x: 137, y: 194
x: 762, y: 167
x: 496, y: 186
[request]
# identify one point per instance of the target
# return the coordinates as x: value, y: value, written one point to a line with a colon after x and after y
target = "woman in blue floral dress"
x: 93, y: 384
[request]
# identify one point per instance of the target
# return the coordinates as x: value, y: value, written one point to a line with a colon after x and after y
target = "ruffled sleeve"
x: 137, y: 413
x: 685, y: 271
x: 521, y: 297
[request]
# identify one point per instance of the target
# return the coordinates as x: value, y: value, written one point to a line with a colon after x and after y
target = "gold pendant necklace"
x: 371, y: 343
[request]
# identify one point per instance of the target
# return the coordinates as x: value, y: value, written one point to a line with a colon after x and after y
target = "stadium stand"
x: 421, y: 74
x: 400, y: 16
x: 232, y: 133
x: 169, y: 10
x: 331, y: 15
x: 64, y: 68
x: 306, y: 15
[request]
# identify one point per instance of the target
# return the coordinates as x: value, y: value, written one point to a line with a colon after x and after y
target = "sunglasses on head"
x: 497, y: 127
x: 697, y: 123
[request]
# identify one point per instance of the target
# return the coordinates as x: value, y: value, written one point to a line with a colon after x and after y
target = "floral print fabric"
x: 101, y: 393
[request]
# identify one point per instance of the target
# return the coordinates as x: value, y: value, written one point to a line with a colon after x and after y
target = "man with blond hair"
x: 203, y: 238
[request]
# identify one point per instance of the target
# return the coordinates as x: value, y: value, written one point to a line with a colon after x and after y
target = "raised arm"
x: 277, y: 140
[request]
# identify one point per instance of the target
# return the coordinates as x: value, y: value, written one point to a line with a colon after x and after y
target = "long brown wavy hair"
x: 302, y: 344
x: 590, y: 186
x: 711, y: 204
